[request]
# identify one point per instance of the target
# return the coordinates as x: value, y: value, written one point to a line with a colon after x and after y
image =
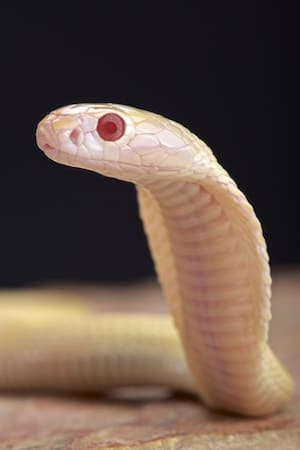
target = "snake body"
x: 54, y: 343
x: 207, y: 246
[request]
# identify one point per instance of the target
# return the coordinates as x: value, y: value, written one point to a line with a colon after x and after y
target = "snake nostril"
x: 75, y: 136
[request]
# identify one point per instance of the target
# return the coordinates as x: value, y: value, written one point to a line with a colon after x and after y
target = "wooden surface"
x: 157, y: 420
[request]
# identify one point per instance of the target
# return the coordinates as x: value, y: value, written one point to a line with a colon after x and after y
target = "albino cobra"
x: 211, y: 261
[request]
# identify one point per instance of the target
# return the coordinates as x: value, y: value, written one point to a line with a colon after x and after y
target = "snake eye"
x: 111, y: 127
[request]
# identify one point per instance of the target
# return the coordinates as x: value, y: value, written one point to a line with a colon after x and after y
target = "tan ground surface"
x: 32, y: 422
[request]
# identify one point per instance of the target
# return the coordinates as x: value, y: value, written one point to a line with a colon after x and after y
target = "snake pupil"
x: 111, y: 127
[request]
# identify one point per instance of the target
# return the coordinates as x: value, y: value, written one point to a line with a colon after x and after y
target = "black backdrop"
x: 226, y: 70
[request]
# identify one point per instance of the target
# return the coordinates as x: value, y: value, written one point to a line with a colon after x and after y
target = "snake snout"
x: 44, y: 137
x: 61, y: 134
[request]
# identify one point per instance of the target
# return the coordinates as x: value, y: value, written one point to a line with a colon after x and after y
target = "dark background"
x: 226, y: 70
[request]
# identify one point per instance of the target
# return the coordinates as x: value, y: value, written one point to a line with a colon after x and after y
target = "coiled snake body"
x: 208, y: 250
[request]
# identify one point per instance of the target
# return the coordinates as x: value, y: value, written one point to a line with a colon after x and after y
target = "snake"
x: 211, y: 261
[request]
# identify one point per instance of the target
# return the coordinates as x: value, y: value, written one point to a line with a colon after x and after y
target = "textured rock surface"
x: 156, y: 420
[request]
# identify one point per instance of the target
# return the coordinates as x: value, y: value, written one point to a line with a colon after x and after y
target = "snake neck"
x: 211, y: 274
x: 201, y: 246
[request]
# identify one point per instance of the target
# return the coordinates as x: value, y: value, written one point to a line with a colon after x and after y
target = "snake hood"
x: 122, y: 142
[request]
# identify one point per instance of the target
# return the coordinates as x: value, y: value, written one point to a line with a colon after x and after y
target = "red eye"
x: 111, y: 127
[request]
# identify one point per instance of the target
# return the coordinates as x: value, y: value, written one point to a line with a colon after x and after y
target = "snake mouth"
x: 121, y: 170
x: 46, y: 147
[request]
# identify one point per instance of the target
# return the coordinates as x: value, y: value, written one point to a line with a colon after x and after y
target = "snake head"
x: 119, y: 141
